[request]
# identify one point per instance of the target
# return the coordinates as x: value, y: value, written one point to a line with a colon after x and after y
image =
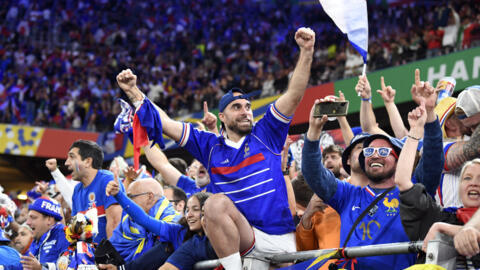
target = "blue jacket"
x: 51, y: 245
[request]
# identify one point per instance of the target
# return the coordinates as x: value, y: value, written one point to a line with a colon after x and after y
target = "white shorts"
x: 272, y: 243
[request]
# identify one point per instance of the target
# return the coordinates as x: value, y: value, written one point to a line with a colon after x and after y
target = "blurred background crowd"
x: 58, y: 59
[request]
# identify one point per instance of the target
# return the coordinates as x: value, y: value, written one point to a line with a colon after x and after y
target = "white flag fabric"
x: 351, y: 18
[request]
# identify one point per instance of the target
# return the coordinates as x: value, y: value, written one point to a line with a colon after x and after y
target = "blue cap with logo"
x: 47, y: 207
x: 229, y: 97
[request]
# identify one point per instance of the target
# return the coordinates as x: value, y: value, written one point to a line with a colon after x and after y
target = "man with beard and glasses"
x: 378, y: 160
x: 250, y: 210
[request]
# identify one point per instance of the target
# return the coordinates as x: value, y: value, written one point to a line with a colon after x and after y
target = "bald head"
x: 146, y: 185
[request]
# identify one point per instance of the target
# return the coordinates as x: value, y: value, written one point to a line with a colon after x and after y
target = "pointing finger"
x: 382, y: 83
x: 205, y: 108
x: 417, y: 77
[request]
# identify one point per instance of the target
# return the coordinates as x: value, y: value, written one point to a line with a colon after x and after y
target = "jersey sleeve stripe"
x: 185, y: 134
x: 231, y: 169
x: 280, y: 117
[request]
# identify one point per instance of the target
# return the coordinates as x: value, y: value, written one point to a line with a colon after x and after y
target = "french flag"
x: 147, y: 125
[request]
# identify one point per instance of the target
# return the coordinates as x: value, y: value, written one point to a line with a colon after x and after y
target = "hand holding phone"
x: 331, y: 109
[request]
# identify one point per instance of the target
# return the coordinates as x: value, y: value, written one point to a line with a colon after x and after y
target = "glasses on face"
x: 131, y: 196
x: 174, y: 201
x: 382, y: 151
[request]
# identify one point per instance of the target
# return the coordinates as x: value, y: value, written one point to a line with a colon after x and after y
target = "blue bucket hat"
x: 346, y: 154
x: 397, y: 146
x: 229, y: 97
x: 47, y: 207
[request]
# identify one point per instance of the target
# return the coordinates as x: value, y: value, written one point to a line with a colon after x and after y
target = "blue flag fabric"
x: 151, y: 122
x: 351, y: 18
x: 123, y: 123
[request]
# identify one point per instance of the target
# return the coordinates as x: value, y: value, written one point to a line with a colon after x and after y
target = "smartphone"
x: 338, y: 108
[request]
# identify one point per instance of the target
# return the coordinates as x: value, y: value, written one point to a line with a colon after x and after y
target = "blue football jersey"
x: 249, y: 171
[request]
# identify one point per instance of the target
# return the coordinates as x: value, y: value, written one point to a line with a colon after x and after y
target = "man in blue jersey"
x: 130, y: 239
x: 85, y: 160
x: 378, y: 160
x: 250, y: 208
x: 49, y: 240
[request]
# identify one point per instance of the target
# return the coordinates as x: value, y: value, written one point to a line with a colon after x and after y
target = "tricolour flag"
x: 351, y: 18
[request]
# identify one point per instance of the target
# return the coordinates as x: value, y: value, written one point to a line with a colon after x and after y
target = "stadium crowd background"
x: 58, y: 59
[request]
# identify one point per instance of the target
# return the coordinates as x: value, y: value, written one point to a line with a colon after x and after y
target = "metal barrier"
x: 262, y: 260
x: 440, y: 252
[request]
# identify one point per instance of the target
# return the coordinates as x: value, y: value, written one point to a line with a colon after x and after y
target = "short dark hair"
x: 333, y: 148
x: 179, y: 194
x: 179, y: 164
x: 89, y: 149
x: 303, y: 193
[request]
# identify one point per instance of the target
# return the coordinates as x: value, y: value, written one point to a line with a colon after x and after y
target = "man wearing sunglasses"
x: 378, y: 161
x: 130, y: 239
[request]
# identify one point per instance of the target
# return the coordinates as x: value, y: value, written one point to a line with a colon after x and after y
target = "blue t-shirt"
x: 10, y: 258
x: 51, y: 245
x: 380, y: 226
x: 189, y: 186
x: 250, y: 172
x: 93, y: 196
x: 194, y: 250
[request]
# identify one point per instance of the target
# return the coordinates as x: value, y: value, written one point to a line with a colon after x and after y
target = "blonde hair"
x: 468, y: 163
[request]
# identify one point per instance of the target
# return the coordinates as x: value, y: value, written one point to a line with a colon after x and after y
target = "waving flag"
x: 351, y: 18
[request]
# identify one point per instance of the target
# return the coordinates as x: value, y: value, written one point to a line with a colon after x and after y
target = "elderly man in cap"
x: 460, y: 120
x: 49, y: 242
x: 244, y: 163
x: 378, y: 161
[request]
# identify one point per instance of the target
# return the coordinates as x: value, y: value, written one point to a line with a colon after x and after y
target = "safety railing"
x: 440, y: 252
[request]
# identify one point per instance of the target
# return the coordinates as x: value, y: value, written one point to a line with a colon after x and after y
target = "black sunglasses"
x: 131, y: 196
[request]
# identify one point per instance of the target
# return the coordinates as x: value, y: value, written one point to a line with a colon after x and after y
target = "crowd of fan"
x: 58, y: 59
x: 31, y: 226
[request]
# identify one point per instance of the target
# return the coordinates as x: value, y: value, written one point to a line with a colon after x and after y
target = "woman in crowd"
x: 187, y: 238
x: 418, y: 210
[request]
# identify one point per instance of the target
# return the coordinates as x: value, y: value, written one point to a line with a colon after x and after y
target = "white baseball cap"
x: 468, y: 102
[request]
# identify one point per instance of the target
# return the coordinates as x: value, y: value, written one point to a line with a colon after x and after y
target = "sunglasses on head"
x: 382, y: 151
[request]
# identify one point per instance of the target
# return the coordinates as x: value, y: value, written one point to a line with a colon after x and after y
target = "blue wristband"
x: 367, y: 99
